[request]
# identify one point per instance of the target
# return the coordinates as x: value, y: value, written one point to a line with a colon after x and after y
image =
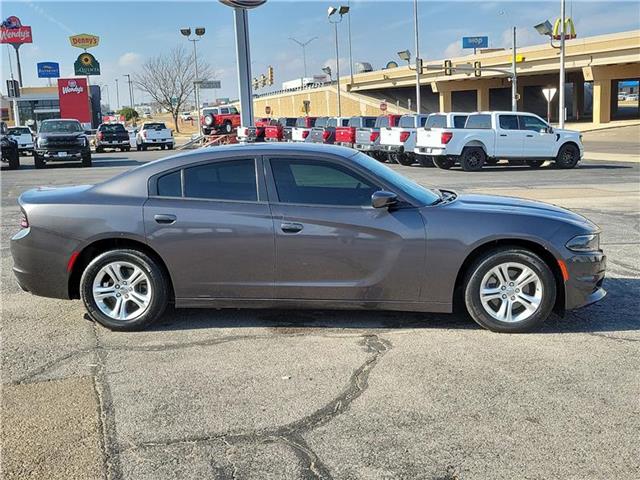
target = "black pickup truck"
x: 112, y: 135
x: 61, y: 140
x: 9, y: 148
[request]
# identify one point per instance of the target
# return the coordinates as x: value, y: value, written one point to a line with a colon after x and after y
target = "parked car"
x: 437, y: 120
x: 9, y: 147
x: 24, y: 137
x: 399, y: 142
x: 186, y: 116
x: 254, y: 133
x: 368, y: 138
x: 300, y: 226
x: 112, y: 135
x: 346, y: 136
x: 61, y: 140
x: 154, y: 134
x: 324, y: 130
x: 632, y: 97
x: 275, y: 131
x: 492, y: 136
x: 219, y: 120
x: 302, y: 129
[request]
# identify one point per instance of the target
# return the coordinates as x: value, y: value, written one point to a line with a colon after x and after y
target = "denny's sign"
x: 84, y: 40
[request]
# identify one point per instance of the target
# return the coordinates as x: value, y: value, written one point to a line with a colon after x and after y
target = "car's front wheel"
x: 568, y: 156
x: 509, y: 290
x: 124, y: 289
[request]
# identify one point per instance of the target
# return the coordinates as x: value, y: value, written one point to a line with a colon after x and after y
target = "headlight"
x: 584, y: 243
x: 42, y: 142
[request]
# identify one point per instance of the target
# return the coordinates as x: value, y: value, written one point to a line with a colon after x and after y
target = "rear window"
x: 369, y: 122
x: 116, y: 127
x: 459, y: 121
x: 478, y: 121
x: 287, y: 122
x: 382, y: 122
x: 154, y: 126
x: 332, y: 122
x: 321, y: 122
x: 406, y: 122
x: 436, y: 121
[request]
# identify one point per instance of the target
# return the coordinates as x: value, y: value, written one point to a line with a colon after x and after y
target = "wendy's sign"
x: 12, y: 31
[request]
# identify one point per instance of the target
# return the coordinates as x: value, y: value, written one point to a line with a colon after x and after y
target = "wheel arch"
x: 538, y: 249
x: 476, y: 143
x: 568, y: 142
x: 90, y: 251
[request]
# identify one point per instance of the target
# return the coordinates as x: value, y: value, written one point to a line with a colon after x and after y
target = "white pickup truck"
x: 488, y: 137
x: 154, y: 134
x: 24, y: 137
x: 399, y: 142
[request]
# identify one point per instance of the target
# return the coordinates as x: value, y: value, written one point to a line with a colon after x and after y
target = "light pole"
x: 117, y: 96
x: 514, y: 73
x: 196, y: 84
x: 330, y: 12
x: 304, y: 52
x: 349, y: 28
x: 418, y: 59
x: 130, y: 96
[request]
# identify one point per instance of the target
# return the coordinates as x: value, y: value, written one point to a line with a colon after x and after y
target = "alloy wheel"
x: 122, y: 291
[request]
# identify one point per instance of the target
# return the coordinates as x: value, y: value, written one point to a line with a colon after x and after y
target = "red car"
x: 346, y: 136
x: 219, y: 120
x: 275, y: 132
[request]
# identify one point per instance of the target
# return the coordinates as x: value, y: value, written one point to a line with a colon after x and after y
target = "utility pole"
x: 561, y: 107
x: 418, y: 59
x: 514, y: 78
x: 304, y: 51
x: 117, y: 96
x: 349, y: 28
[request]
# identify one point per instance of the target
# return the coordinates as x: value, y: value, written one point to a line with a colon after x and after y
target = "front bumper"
x: 62, y: 153
x: 586, y: 277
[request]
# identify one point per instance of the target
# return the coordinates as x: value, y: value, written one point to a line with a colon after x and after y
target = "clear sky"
x: 132, y: 31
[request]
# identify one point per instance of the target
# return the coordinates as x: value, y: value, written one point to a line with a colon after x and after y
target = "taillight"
x: 445, y: 137
x: 305, y: 133
x: 404, y: 136
x: 24, y: 221
x: 326, y: 134
x: 374, y: 136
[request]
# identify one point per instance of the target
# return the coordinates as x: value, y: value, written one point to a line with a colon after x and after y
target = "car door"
x: 211, y: 223
x: 509, y: 137
x: 538, y: 142
x: 331, y: 244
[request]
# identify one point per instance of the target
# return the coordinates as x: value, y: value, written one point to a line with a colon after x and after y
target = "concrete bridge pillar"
x: 445, y: 101
x: 601, y: 101
x: 483, y: 99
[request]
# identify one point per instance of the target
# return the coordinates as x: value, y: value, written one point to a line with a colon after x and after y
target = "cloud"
x: 129, y: 59
x: 454, y: 49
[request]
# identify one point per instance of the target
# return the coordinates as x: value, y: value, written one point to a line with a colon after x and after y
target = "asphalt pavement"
x: 261, y: 394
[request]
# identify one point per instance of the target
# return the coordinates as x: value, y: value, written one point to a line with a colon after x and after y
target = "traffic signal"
x: 477, y: 69
x: 263, y: 80
x: 270, y: 75
x: 447, y: 67
x: 255, y: 84
x: 13, y: 88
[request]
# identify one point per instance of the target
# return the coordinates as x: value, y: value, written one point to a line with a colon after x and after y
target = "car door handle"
x: 529, y: 135
x: 503, y: 134
x: 165, y: 219
x: 288, y: 227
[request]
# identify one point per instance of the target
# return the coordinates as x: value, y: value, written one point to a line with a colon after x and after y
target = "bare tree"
x: 168, y: 78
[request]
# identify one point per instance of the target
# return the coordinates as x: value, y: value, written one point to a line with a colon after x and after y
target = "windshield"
x: 116, y: 127
x: 19, y: 131
x: 423, y: 195
x: 153, y: 126
x: 62, y: 126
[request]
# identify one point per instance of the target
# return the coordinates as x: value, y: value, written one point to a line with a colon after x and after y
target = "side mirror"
x: 383, y: 199
x: 549, y: 129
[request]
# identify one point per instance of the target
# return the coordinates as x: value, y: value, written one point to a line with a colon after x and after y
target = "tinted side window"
x: 478, y: 121
x: 436, y: 121
x: 224, y: 111
x: 227, y: 180
x: 319, y: 183
x: 459, y: 121
x: 368, y: 122
x: 509, y: 122
x: 532, y: 123
x: 169, y: 185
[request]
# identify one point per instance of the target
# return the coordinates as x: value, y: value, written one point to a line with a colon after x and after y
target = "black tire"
x: 404, y: 159
x: 14, y: 160
x: 162, y: 147
x: 425, y: 161
x: 38, y: 161
x: 127, y: 149
x: 482, y: 265
x: 144, y: 148
x: 86, y: 160
x: 444, y: 163
x: 535, y: 163
x: 138, y: 147
x: 159, y: 289
x: 568, y: 156
x: 99, y: 149
x: 170, y: 146
x: 472, y: 159
x: 227, y: 127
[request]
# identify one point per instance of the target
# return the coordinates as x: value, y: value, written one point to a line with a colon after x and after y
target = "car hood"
x: 520, y: 206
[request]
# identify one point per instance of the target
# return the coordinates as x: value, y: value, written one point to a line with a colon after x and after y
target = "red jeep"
x: 219, y: 119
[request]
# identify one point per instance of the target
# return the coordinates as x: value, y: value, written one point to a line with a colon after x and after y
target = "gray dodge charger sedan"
x: 300, y: 226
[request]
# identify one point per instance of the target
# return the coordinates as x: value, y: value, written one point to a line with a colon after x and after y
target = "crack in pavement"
x: 291, y: 433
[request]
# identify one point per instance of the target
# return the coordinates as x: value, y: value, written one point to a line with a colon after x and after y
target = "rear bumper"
x: 365, y: 147
x: 392, y: 148
x: 345, y: 144
x: 114, y: 143
x: 586, y: 279
x: 40, y: 262
x: 435, y: 152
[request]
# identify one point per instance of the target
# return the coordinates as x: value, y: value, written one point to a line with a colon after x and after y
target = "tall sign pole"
x: 561, y: 108
x: 418, y: 59
x: 243, y: 53
x: 514, y: 77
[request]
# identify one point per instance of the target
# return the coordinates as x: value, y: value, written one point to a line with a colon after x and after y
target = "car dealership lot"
x: 324, y: 394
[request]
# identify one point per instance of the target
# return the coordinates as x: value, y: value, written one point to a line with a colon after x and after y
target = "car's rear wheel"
x: 568, y: 156
x: 124, y: 290
x: 38, y: 160
x: 99, y: 149
x: 14, y: 160
x: 509, y: 290
x: 86, y: 160
x: 472, y: 159
x: 443, y: 162
x: 404, y: 159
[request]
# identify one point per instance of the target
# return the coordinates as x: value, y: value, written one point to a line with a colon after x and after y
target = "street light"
x: 545, y: 29
x: 514, y: 73
x: 327, y: 70
x: 304, y: 51
x: 330, y: 12
x: 405, y: 55
x: 196, y: 85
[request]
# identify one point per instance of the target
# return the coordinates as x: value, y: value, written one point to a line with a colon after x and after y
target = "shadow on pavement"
x: 617, y: 312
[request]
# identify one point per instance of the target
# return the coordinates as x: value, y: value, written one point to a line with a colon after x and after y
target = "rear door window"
x: 508, y: 122
x: 459, y: 121
x: 224, y: 180
x: 478, y: 121
x: 170, y: 185
x: 332, y: 122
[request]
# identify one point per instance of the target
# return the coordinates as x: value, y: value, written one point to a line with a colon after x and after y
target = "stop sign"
x: 383, y: 106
